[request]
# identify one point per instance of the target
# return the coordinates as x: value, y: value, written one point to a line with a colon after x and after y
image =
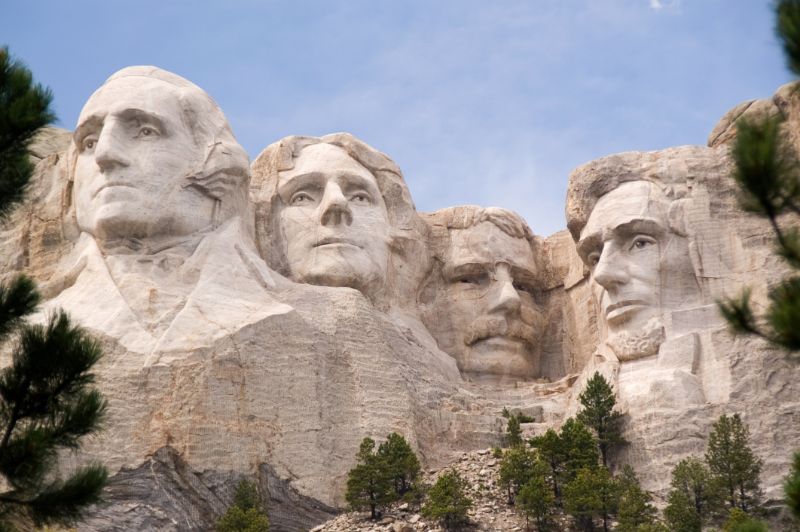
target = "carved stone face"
x: 334, y: 223
x: 134, y: 149
x: 489, y: 298
x: 641, y: 268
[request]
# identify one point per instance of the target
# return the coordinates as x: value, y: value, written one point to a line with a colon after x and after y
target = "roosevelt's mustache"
x: 483, y: 328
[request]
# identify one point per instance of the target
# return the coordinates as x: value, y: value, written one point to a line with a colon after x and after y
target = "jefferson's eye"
x: 360, y: 197
x: 301, y: 198
x: 89, y: 143
x: 642, y: 241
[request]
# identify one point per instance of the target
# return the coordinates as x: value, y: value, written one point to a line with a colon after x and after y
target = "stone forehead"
x: 629, y: 200
x: 674, y: 171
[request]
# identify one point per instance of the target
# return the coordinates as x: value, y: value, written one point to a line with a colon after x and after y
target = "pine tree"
x: 535, y: 499
x: 599, y: 415
x: 635, y: 504
x: 447, y: 501
x: 47, y: 404
x: 694, y: 497
x: 566, y: 452
x: 46, y: 400
x: 579, y: 446
x: 732, y: 463
x: 739, y: 521
x: 592, y: 493
x: 551, y: 453
x: 768, y: 174
x: 368, y: 483
x: 516, y: 469
x: 792, y: 487
x: 24, y: 109
x: 245, y: 514
x: 513, y: 432
x: 402, y: 465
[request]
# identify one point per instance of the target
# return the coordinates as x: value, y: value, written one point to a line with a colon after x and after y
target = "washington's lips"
x: 111, y: 184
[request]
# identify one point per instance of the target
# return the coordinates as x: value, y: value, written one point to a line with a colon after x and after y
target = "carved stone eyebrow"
x: 467, y: 268
x: 143, y: 116
x: 520, y: 273
x: 90, y: 124
x: 588, y: 244
x: 649, y: 226
x: 288, y: 185
x: 352, y: 181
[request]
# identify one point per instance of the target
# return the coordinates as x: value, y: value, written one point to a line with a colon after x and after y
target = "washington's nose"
x: 610, y: 273
x: 108, y: 153
x: 334, y: 207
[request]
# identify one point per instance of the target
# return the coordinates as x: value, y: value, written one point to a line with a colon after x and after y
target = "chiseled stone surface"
x: 662, y: 239
x: 262, y: 327
x: 485, y: 293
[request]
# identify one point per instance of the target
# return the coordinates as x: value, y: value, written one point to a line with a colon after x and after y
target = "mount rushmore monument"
x: 260, y: 320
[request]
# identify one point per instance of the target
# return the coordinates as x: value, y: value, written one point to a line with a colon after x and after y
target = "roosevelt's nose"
x: 334, y: 207
x: 610, y: 271
x: 108, y: 152
x: 505, y: 297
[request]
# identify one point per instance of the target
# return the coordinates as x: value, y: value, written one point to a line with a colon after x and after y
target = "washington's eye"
x: 593, y: 258
x: 642, y: 241
x: 301, y: 198
x: 89, y: 143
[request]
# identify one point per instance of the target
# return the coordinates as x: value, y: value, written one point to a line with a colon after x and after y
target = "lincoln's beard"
x: 630, y: 345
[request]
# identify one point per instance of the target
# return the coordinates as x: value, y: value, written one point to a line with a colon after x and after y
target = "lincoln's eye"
x: 360, y: 197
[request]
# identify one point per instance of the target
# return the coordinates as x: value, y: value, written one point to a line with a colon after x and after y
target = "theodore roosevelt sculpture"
x: 484, y: 310
x: 334, y: 211
x: 158, y: 187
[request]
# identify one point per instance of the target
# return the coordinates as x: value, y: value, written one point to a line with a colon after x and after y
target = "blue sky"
x: 482, y: 102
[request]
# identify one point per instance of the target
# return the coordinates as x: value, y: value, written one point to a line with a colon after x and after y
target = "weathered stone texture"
x: 228, y: 354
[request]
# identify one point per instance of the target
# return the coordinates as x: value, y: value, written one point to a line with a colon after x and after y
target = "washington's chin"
x: 337, y: 272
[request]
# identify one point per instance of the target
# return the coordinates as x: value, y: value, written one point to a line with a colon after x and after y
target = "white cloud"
x: 658, y: 5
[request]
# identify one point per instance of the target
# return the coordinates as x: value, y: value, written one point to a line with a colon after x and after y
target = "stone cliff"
x: 261, y: 321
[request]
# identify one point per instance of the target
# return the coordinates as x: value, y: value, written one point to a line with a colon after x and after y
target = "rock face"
x: 262, y: 322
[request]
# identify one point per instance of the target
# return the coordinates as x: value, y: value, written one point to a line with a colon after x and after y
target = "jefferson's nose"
x: 334, y: 207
